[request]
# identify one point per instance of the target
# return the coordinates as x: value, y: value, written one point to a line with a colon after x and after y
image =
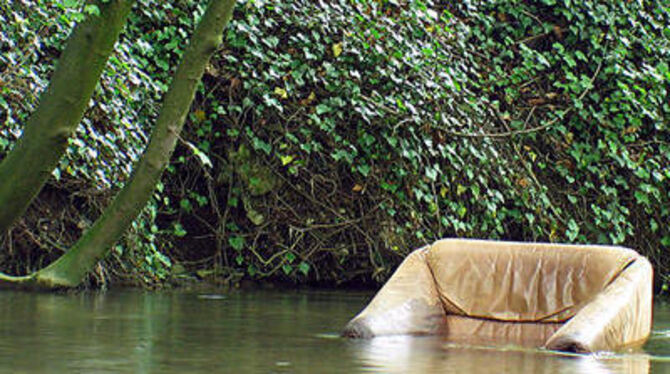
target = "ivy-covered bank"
x: 330, y: 138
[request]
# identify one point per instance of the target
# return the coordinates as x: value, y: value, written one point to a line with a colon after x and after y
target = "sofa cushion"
x: 531, y: 282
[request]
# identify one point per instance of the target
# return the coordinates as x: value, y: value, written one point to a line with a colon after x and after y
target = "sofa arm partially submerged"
x: 619, y: 316
x: 407, y: 304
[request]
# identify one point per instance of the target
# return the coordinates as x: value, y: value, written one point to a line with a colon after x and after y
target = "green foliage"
x: 401, y: 122
x: 599, y: 173
x: 330, y: 138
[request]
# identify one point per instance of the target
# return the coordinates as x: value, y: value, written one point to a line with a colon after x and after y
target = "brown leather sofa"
x: 578, y: 298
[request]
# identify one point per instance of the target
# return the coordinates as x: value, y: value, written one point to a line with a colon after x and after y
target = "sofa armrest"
x: 619, y: 316
x: 407, y: 304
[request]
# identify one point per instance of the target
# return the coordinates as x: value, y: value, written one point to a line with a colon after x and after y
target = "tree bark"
x: 28, y: 166
x: 69, y: 269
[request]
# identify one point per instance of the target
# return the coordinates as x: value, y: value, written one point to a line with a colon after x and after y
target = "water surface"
x: 257, y: 332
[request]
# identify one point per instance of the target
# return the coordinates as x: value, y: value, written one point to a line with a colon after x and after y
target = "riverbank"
x: 330, y: 139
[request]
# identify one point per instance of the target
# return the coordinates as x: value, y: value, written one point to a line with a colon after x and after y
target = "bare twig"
x: 531, y: 38
x: 531, y: 15
x: 527, y: 130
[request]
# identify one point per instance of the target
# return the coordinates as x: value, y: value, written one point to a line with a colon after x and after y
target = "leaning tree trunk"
x: 28, y: 166
x: 69, y: 269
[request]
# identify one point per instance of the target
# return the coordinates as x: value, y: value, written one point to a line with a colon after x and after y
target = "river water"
x: 257, y: 332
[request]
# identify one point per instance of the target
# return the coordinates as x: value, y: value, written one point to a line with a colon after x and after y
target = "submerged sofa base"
x: 561, y: 297
x: 469, y: 330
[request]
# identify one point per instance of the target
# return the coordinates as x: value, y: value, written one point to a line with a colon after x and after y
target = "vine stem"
x: 524, y: 131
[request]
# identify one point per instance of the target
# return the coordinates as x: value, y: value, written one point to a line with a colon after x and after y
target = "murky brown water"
x: 256, y: 332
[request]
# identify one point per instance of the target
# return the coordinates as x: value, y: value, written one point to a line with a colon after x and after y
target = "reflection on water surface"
x: 256, y: 332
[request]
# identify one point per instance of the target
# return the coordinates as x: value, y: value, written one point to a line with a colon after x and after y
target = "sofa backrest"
x: 522, y: 282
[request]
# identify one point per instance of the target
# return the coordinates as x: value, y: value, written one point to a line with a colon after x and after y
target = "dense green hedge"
x: 330, y: 138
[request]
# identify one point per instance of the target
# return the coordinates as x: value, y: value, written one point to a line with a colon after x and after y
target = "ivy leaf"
x: 303, y: 267
x: 92, y: 9
x: 281, y: 92
x: 322, y: 109
x: 337, y: 49
x: 251, y: 270
x: 460, y: 190
x: 290, y: 257
x: 364, y: 169
x: 179, y: 230
x: 202, y: 156
x: 286, y: 159
x: 573, y: 230
x: 431, y: 173
x: 70, y: 3
x: 236, y: 242
x: 642, y: 198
